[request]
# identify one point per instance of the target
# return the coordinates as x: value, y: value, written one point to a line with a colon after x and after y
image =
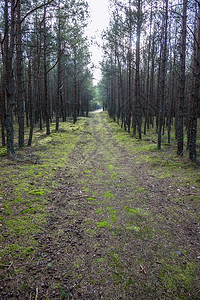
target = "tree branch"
x: 53, y: 66
x: 16, y: 4
x: 34, y: 9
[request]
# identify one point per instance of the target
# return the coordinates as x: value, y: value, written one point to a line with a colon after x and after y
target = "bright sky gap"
x: 99, y: 21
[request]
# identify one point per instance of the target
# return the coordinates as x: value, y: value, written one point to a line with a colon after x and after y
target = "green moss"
x: 3, y: 151
x: 88, y: 171
x: 30, y: 210
x: 113, y: 218
x: 111, y: 210
x: 140, y: 189
x: 100, y: 260
x: 177, y: 278
x: 18, y: 200
x: 133, y: 227
x: 37, y: 192
x: 109, y: 195
x: 91, y: 231
x: 23, y: 225
x: 27, y: 251
x: 91, y: 199
x: 177, y: 199
x: 63, y: 293
x: 115, y: 258
x: 88, y: 221
x: 7, y: 208
x: 13, y: 248
x: 111, y: 167
x: 103, y: 224
x: 194, y: 198
x: 136, y: 211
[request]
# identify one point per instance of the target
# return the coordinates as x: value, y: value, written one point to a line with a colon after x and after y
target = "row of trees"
x: 44, y: 73
x: 151, y: 67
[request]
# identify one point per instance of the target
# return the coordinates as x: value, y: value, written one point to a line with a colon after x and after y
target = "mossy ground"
x: 25, y: 188
x: 102, y: 215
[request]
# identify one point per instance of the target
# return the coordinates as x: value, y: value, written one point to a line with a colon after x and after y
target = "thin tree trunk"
x: 8, y: 49
x: 2, y: 112
x: 162, y: 75
x: 181, y: 99
x: 45, y: 77
x: 58, y: 98
x: 195, y: 93
x: 137, y: 74
x: 19, y: 87
x: 31, y: 110
x: 75, y: 89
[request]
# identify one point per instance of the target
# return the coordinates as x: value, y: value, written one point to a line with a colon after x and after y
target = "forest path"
x: 121, y: 223
x: 120, y: 234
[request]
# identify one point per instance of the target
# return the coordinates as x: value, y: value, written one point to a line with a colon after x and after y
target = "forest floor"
x: 98, y: 214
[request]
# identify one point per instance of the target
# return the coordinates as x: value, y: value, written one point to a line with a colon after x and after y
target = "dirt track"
x: 115, y: 231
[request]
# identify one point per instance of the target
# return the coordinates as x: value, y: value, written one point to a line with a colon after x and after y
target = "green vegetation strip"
x: 26, y: 186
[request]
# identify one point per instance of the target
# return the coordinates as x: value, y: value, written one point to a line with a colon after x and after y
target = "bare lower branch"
x: 34, y: 9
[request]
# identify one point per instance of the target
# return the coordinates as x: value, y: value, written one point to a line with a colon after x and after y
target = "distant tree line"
x: 44, y: 73
x: 151, y: 68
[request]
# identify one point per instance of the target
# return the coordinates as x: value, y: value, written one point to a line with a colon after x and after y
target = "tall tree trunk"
x: 195, y: 93
x: 137, y: 73
x: 162, y: 75
x: 75, y: 89
x: 181, y: 98
x: 151, y: 86
x: 46, y: 103
x: 8, y: 49
x: 31, y: 108
x: 171, y: 92
x: 129, y: 83
x: 2, y: 112
x: 146, y: 124
x: 58, y: 98
x: 19, y: 86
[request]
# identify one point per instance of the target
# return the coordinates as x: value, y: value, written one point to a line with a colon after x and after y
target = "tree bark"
x: 8, y: 49
x: 137, y: 74
x: 195, y: 93
x: 19, y: 87
x: 75, y: 89
x: 181, y: 99
x: 46, y: 103
x: 162, y: 75
x: 58, y: 98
